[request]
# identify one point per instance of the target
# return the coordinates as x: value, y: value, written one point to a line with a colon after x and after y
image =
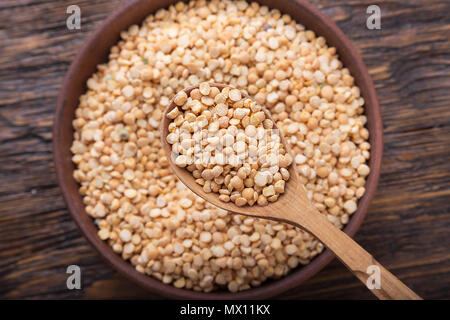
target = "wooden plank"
x: 407, y: 226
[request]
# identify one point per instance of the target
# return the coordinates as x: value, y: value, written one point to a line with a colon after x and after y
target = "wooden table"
x: 408, y: 225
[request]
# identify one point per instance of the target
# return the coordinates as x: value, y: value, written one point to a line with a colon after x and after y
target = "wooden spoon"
x: 295, y: 208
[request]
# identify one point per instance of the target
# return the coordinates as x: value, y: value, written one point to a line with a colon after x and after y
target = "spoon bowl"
x: 294, y: 207
x: 186, y: 177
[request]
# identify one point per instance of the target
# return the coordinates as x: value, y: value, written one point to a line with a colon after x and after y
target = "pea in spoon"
x: 294, y: 207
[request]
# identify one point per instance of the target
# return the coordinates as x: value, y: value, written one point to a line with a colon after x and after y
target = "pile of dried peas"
x: 139, y: 206
x: 228, y: 144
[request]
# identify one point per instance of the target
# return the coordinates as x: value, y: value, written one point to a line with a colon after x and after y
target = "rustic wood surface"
x: 408, y: 225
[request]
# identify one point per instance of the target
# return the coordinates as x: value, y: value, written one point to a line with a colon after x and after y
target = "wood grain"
x: 408, y: 223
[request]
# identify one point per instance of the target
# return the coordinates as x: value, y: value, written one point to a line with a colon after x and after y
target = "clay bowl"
x: 95, y: 51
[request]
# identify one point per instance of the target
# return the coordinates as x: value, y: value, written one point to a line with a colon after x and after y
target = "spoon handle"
x: 357, y: 260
